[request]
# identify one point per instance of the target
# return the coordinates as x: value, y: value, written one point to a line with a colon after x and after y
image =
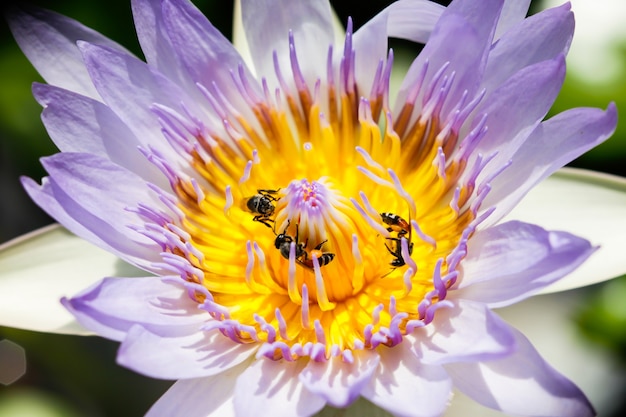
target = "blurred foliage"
x: 610, y: 156
x: 76, y: 376
x: 603, y: 318
x: 80, y: 374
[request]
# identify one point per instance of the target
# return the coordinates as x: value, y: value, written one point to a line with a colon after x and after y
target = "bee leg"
x: 393, y: 252
x: 264, y: 220
x: 319, y: 247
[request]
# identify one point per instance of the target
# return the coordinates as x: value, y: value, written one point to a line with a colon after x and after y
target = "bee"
x: 395, y: 223
x: 304, y: 258
x: 397, y: 252
x: 283, y: 244
x: 402, y: 229
x: 323, y: 258
x: 263, y: 205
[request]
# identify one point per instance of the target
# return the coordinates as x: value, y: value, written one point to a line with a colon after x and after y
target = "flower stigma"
x: 311, y: 222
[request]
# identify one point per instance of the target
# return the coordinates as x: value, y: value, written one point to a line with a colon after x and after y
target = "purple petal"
x: 461, y: 39
x: 181, y: 356
x: 513, y: 12
x: 407, y: 388
x: 515, y: 260
x: 79, y: 124
x: 155, y: 44
x: 49, y: 40
x: 112, y: 306
x: 206, y: 55
x: 339, y: 382
x: 199, y: 397
x: 404, y: 19
x: 72, y: 217
x: 78, y: 182
x: 551, y: 145
x: 542, y: 36
x: 44, y: 197
x: 267, y: 25
x: 515, y: 108
x: 130, y: 88
x: 521, y: 384
x: 468, y: 331
x: 275, y: 386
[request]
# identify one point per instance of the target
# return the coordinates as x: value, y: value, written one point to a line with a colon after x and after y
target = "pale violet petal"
x: 112, y: 306
x: 549, y: 322
x: 474, y: 23
x: 38, y: 269
x: 273, y: 385
x: 588, y: 204
x: 521, y: 384
x: 268, y: 24
x: 199, y: 397
x: 130, y: 88
x: 43, y: 195
x: 77, y: 123
x: 405, y: 19
x: 514, y: 260
x: 338, y: 381
x: 241, y: 43
x: 359, y: 408
x: 184, y: 356
x: 542, y: 36
x: 512, y: 116
x: 78, y: 183
x: 407, y: 388
x: 513, y: 12
x: 206, y: 54
x: 155, y: 43
x: 48, y: 39
x: 561, y: 138
x: 467, y: 331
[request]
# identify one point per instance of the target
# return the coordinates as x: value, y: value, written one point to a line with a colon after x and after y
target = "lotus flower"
x: 300, y: 236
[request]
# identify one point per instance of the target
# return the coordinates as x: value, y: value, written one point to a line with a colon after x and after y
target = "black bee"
x: 283, y: 244
x: 395, y: 223
x: 262, y: 204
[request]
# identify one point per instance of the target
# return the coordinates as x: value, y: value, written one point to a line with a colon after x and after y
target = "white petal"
x: 274, y: 385
x: 339, y: 382
x: 401, y: 382
x: 547, y: 321
x: 241, y: 43
x: 589, y: 204
x: 268, y: 25
x: 200, y: 397
x: 39, y: 268
x: 184, y: 356
x: 521, y: 384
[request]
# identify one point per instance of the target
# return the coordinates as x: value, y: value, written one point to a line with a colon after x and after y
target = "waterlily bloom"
x: 309, y: 237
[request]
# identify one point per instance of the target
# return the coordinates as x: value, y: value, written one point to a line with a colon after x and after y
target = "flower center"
x: 306, y: 227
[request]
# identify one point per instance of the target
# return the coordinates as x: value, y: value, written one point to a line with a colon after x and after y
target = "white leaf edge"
x: 39, y: 268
